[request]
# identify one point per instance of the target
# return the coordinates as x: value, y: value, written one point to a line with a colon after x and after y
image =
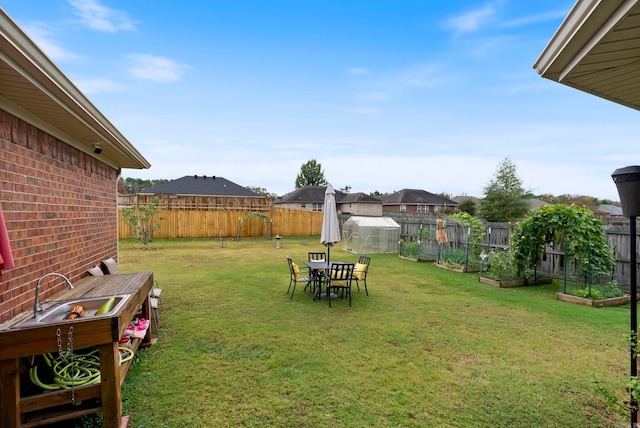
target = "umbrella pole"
x: 328, y: 268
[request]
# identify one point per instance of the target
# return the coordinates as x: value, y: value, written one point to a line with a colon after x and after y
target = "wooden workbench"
x: 16, y: 344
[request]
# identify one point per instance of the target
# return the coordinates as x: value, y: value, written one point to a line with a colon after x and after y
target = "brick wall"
x: 60, y: 210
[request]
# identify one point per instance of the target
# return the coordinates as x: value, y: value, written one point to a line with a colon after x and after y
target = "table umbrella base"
x: 324, y: 296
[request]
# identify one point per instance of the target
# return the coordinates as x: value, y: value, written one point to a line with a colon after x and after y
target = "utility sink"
x: 58, y: 311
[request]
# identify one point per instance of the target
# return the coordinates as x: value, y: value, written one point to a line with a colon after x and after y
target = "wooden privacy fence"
x: 219, y: 223
x: 291, y: 222
x: 552, y: 264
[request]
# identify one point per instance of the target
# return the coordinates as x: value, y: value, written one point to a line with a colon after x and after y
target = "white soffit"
x: 35, y: 90
x: 596, y: 49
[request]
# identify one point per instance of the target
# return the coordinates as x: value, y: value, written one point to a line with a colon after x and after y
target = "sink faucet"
x: 37, y: 305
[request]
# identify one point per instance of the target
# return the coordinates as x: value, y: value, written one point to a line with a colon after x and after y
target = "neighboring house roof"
x: 36, y: 91
x: 595, y: 50
x: 609, y: 209
x: 201, y: 186
x: 415, y: 196
x: 535, y: 204
x: 359, y: 198
x: 308, y: 194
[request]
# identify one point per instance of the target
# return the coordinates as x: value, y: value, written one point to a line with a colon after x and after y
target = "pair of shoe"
x: 141, y: 324
x: 128, y: 332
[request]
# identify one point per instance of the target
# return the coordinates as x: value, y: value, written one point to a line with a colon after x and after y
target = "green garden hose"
x: 73, y: 371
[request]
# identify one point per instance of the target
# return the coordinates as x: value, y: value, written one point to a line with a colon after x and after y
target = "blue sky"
x: 385, y: 95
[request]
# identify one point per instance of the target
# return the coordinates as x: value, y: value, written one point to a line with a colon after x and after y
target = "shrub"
x: 599, y: 292
x: 411, y: 249
x: 502, y: 266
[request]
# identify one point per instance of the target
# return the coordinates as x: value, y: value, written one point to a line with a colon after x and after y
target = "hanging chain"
x: 70, y: 352
x: 70, y: 341
x: 67, y: 355
x: 59, y: 342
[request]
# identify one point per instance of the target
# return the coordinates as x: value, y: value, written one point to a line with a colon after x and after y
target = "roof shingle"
x: 416, y: 196
x: 202, y: 186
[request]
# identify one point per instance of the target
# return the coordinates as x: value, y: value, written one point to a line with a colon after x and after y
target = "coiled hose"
x: 72, y: 370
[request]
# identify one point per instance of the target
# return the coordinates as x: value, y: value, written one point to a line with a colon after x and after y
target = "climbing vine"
x: 475, y: 229
x: 251, y: 215
x: 569, y: 226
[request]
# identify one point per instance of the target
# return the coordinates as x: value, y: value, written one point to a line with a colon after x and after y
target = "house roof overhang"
x: 596, y: 49
x: 34, y: 89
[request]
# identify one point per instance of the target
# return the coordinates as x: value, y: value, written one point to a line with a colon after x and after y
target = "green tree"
x: 311, y: 174
x: 261, y: 191
x: 504, y: 195
x: 143, y: 220
x: 137, y: 185
x: 467, y: 206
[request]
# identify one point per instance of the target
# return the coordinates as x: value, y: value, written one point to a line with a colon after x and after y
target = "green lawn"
x: 427, y: 347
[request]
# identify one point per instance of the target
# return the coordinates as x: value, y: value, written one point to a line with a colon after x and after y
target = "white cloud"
x: 362, y: 110
x: 97, y: 17
x: 491, y: 46
x: 357, y: 71
x: 96, y: 85
x: 398, y: 82
x: 474, y: 20
x: 42, y: 35
x: 532, y: 19
x: 155, y: 68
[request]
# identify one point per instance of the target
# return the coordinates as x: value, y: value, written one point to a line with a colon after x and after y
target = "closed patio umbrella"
x: 330, y: 229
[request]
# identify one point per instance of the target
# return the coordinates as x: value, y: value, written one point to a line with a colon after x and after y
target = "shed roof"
x: 416, y: 196
x: 610, y: 209
x: 201, y: 186
x: 373, y: 221
x: 34, y: 89
x: 596, y: 50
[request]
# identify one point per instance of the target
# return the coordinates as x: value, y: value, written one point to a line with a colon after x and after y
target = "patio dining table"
x: 317, y: 268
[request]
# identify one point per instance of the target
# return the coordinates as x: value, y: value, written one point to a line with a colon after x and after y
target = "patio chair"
x: 360, y: 272
x: 295, y: 276
x: 318, y: 257
x: 316, y: 275
x: 339, y: 279
x: 95, y: 271
x: 111, y: 266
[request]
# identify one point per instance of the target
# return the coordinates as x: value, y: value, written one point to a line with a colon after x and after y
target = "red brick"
x: 59, y: 208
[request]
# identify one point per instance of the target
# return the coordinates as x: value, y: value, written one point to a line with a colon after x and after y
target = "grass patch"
x: 427, y: 347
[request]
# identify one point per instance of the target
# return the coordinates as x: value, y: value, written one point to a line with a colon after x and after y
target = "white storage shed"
x: 367, y: 235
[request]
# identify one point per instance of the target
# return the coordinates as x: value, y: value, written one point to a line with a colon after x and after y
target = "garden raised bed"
x: 515, y: 282
x: 603, y: 303
x: 457, y: 269
x: 416, y: 259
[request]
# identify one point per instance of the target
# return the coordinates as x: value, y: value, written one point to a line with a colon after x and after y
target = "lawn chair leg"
x: 294, y: 289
